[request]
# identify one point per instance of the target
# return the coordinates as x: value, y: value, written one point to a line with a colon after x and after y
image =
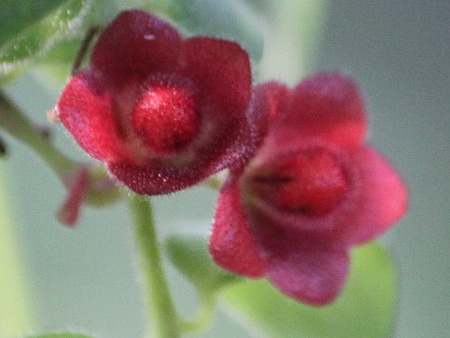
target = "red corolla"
x: 163, y: 112
x: 313, y: 191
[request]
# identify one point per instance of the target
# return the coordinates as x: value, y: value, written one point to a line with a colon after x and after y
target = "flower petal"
x: 326, y: 106
x: 135, y: 44
x: 221, y: 72
x: 77, y: 184
x: 85, y: 110
x: 154, y: 178
x: 307, y: 270
x: 380, y: 199
x: 230, y: 243
x: 304, y: 264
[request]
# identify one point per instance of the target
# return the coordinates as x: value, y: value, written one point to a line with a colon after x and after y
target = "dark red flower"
x: 162, y: 112
x: 313, y: 191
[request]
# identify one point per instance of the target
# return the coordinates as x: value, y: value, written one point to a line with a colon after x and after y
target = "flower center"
x: 310, y: 182
x: 165, y: 118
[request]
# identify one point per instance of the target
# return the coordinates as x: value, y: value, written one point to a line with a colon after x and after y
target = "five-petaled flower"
x: 313, y: 191
x: 163, y: 112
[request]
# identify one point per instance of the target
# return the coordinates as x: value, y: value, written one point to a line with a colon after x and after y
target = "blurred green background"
x: 84, y: 278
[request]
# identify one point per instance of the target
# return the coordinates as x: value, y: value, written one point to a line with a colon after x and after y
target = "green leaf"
x: 366, y: 307
x: 189, y: 254
x: 223, y: 19
x: 59, y: 335
x: 16, y: 16
x: 28, y: 41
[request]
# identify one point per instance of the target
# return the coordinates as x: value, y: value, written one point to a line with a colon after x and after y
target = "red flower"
x: 312, y: 191
x: 162, y: 112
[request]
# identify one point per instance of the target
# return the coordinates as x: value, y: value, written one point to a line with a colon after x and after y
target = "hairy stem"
x: 101, y: 190
x: 164, y: 319
x: 13, y: 121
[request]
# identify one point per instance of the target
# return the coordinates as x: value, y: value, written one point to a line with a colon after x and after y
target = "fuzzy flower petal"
x: 327, y: 106
x: 77, y: 186
x: 309, y: 271
x: 230, y: 243
x: 381, y: 201
x: 135, y: 44
x: 85, y: 109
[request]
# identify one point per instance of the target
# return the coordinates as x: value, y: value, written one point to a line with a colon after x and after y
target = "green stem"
x: 100, y: 191
x: 17, y: 124
x: 15, y: 310
x: 164, y: 318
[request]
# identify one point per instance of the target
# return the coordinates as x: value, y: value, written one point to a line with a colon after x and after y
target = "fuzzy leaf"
x: 366, y: 307
x: 16, y: 16
x: 48, y: 24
